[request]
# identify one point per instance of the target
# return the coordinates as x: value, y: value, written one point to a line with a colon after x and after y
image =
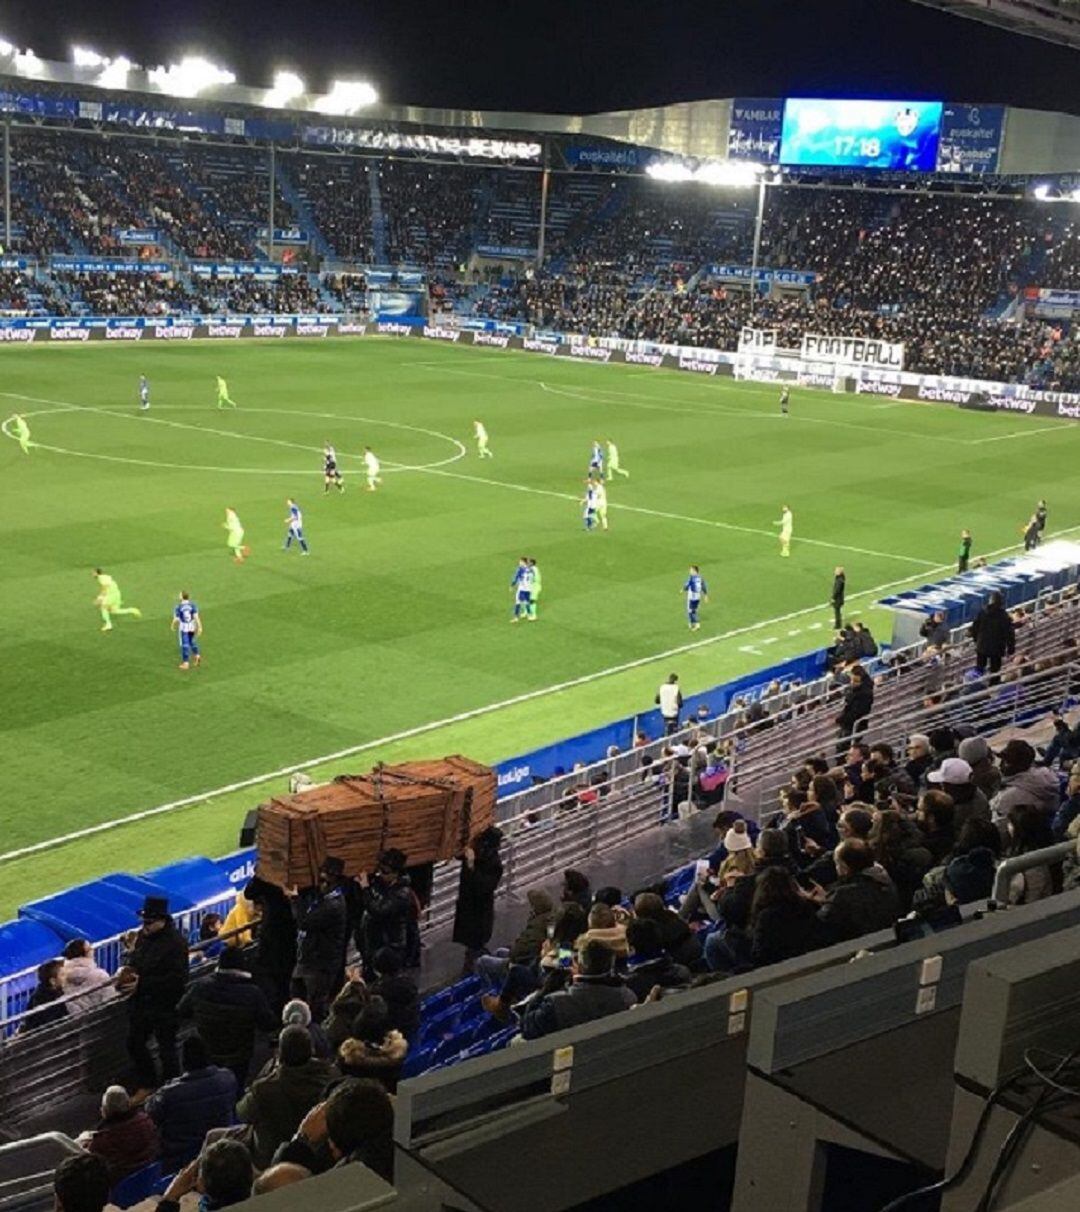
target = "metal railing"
x: 15, y: 989
x: 1048, y: 856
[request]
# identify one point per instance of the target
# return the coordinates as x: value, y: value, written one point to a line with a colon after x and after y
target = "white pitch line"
x: 680, y: 517
x: 142, y: 417
x: 474, y: 713
x: 1025, y: 433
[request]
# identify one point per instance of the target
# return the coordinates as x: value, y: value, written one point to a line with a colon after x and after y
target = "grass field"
x: 400, y: 616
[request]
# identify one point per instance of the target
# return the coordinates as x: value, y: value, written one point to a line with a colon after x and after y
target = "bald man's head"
x: 280, y: 1175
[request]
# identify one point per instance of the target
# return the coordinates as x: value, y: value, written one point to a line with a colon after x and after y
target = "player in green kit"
x: 536, y: 586
x: 223, y: 394
x: 613, y: 468
x: 109, y: 601
x: 21, y: 432
x: 235, y: 538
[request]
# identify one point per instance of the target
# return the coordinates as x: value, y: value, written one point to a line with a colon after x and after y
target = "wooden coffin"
x: 429, y: 810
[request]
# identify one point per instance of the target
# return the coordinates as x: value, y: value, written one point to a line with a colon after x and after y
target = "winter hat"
x: 974, y: 749
x: 970, y: 877
x: 296, y: 1013
x: 954, y: 771
x: 737, y: 838
x: 540, y: 901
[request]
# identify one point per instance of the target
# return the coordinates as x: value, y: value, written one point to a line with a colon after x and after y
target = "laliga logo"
x: 518, y: 774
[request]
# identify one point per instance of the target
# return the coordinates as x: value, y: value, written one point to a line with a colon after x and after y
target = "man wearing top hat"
x: 321, y: 929
x: 156, y: 973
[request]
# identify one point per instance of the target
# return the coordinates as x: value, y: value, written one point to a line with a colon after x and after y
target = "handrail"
x: 1024, y: 862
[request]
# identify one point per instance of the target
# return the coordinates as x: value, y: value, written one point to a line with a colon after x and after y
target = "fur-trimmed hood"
x: 356, y: 1053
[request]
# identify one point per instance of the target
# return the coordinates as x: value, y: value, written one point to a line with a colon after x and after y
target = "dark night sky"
x: 575, y: 56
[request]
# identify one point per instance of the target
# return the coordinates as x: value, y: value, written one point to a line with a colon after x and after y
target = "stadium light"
x: 1042, y: 192
x: 190, y: 76
x: 738, y: 173
x: 81, y: 56
x: 6, y: 48
x: 27, y: 63
x: 287, y: 87
x: 347, y: 96
x: 115, y: 73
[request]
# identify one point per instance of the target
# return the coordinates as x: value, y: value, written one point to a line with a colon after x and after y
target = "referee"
x: 839, y: 588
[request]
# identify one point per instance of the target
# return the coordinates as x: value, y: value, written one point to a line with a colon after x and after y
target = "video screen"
x: 898, y: 135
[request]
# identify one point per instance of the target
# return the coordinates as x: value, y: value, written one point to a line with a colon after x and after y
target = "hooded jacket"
x: 228, y: 1009
x: 381, y: 1061
x: 81, y: 973
x: 1038, y: 786
x: 187, y: 1107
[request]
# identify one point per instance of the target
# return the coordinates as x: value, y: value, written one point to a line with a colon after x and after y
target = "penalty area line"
x: 463, y: 716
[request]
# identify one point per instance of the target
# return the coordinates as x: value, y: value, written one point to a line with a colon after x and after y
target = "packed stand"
x: 235, y: 188
x: 249, y: 295
x: 103, y: 293
x: 431, y: 212
x: 339, y: 194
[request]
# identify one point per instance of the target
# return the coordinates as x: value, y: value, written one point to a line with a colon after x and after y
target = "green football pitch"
x: 395, y: 634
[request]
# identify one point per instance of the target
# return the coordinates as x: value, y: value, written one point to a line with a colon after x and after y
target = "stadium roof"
x: 1052, y: 20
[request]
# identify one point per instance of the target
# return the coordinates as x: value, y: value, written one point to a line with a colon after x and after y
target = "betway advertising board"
x: 878, y: 375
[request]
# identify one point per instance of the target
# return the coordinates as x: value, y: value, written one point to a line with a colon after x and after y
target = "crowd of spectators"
x: 124, y: 294
x: 431, y: 212
x: 249, y: 295
x: 339, y: 195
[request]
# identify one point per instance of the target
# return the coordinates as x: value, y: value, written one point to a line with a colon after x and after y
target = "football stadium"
x: 523, y: 614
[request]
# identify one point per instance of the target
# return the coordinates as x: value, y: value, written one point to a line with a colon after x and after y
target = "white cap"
x: 954, y: 771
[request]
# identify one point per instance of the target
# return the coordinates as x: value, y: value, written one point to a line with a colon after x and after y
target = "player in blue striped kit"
x: 696, y: 592
x: 521, y: 587
x: 596, y: 463
x: 187, y: 623
x: 144, y: 393
x: 295, y: 524
x: 589, y: 505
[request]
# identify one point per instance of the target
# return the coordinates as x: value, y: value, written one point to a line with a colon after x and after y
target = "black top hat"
x: 392, y: 860
x: 154, y: 908
x: 333, y: 867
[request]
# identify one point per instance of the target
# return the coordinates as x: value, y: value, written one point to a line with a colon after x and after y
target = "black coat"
x: 474, y: 914
x: 858, y: 905
x: 228, y: 1009
x: 858, y: 703
x: 993, y: 632
x: 783, y: 931
x: 387, y: 909
x: 934, y: 632
x: 322, y: 924
x: 839, y: 587
x: 662, y: 971
x: 275, y: 955
x: 161, y: 961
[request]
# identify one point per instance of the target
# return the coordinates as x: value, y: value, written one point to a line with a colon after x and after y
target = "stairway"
x: 304, y: 214
x: 378, y: 219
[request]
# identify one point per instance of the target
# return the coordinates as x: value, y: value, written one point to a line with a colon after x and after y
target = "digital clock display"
x: 897, y: 135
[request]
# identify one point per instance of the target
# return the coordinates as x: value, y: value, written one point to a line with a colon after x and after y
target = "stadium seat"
x: 137, y: 1186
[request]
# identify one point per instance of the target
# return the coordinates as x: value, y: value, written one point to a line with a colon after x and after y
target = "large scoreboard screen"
x: 894, y: 135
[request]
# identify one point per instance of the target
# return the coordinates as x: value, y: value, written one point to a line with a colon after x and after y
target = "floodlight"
x: 6, y: 48
x: 115, y: 74
x: 347, y: 96
x: 81, y: 56
x: 190, y: 76
x: 669, y: 170
x: 730, y: 172
x: 1042, y: 192
x: 27, y: 63
x: 287, y: 87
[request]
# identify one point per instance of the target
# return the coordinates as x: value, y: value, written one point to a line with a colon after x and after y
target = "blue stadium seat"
x: 137, y: 1186
x: 418, y: 1062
